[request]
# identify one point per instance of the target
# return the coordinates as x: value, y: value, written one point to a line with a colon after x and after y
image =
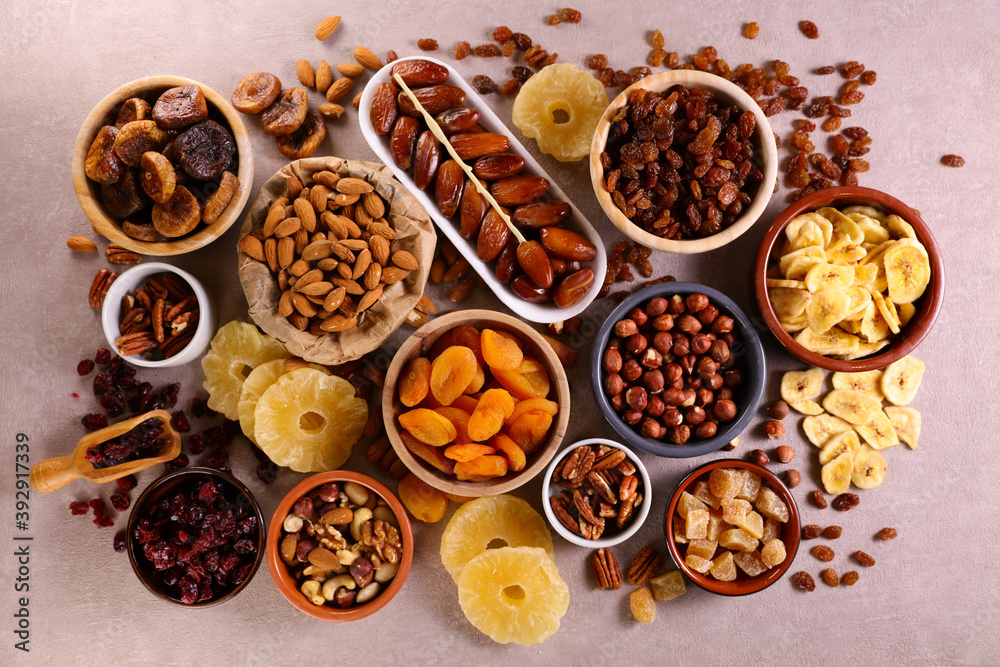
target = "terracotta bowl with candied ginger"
x: 788, y: 533
x: 421, y: 344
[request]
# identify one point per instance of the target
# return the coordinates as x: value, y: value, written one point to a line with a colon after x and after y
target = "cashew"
x: 360, y: 516
x: 292, y: 524
x: 385, y: 514
x: 357, y: 493
x: 311, y: 589
x: 346, y: 557
x: 342, y: 581
x: 367, y: 593
x: 386, y: 572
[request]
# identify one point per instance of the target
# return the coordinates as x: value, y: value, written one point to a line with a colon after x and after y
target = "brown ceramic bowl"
x: 742, y: 585
x: 181, y: 480
x: 287, y: 584
x: 928, y: 306
x: 89, y: 193
x: 420, y: 343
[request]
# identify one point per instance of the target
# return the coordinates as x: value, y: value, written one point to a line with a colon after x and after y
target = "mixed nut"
x: 341, y: 542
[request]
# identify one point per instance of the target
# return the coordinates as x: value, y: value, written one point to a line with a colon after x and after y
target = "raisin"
x: 120, y: 501
x: 656, y: 39
x: 427, y: 44
x: 840, y: 145
x: 521, y: 41
x: 598, y: 61
x: 832, y: 124
x: 805, y: 125
x: 510, y: 86
x: 856, y: 132
x: 863, y: 559
x: 551, y: 58
x: 858, y: 165
x: 809, y: 29
x: 830, y: 577
x: 852, y: 70
x: 484, y: 84
x: 803, y: 581
x: 845, y: 502
x: 868, y: 78
x: 570, y: 15
x: 819, y: 499
x: 854, y: 97
x: 751, y: 30
x: 502, y: 33
x: 521, y: 73
x: 886, y: 534
x: 951, y: 160
x: 673, y: 59
x: 462, y: 50
x: 391, y: 56
x: 78, y: 508
x: 832, y: 532
x: 829, y: 69
x: 850, y: 578
x: 553, y: 19
x: 487, y: 51
x: 508, y: 48
x: 811, y: 531
x: 823, y: 553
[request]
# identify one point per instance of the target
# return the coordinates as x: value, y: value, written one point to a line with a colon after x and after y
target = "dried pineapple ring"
x: 568, y: 90
x: 259, y: 380
x: 236, y: 350
x: 308, y: 421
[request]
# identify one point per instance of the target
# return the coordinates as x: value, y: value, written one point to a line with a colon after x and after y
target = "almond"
x: 305, y: 213
x: 353, y: 186
x: 285, y: 307
x: 324, y: 76
x: 351, y: 286
x: 353, y: 70
x: 252, y: 247
x: 425, y: 305
x: 286, y: 252
x: 354, y: 244
x: 318, y: 197
x: 330, y: 110
x: 274, y: 216
x: 81, y: 244
x: 287, y: 227
x: 373, y: 275
x: 380, y: 249
x: 393, y: 274
x: 326, y: 27
x: 313, y: 276
x: 339, y: 88
x: 271, y: 254
x: 338, y: 323
x: 317, y: 250
x: 368, y: 59
x: 307, y: 77
x: 373, y: 204
x: 327, y: 179
x: 319, y: 290
x: 334, y: 298
x: 328, y: 264
x: 303, y: 305
x: 405, y: 260
x: 362, y: 263
x: 356, y: 102
x: 382, y: 229
x: 343, y: 199
x: 417, y: 319
x: 369, y: 299
x: 345, y: 271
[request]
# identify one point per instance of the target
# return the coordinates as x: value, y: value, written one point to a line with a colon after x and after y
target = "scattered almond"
x: 307, y: 77
x: 417, y: 319
x: 356, y: 102
x: 327, y: 27
x: 339, y: 88
x: 425, y: 305
x: 331, y: 111
x: 324, y: 76
x: 353, y: 70
x: 367, y: 59
x: 81, y: 244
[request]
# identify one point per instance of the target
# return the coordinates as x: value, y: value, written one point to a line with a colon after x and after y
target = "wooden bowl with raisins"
x: 142, y: 202
x: 683, y: 161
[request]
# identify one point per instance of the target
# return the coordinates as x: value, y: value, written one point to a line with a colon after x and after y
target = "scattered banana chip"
x: 807, y: 407
x: 836, y: 475
x: 902, y: 379
x: 906, y: 422
x: 869, y: 468
x: 852, y: 406
x: 878, y: 432
x: 842, y: 443
x: 868, y: 382
x: 820, y: 428
x: 800, y: 385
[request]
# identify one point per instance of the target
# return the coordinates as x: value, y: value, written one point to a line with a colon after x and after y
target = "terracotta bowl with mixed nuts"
x: 339, y: 546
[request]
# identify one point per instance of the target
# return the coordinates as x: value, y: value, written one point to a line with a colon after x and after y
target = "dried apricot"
x: 467, y: 452
x: 103, y: 165
x: 180, y: 107
x: 500, y: 352
x: 304, y: 141
x: 530, y: 430
x: 428, y: 427
x: 516, y: 459
x: 533, y: 405
x: 451, y: 373
x: 433, y: 456
x: 477, y: 381
x: 422, y: 500
x: 459, y: 419
x: 287, y: 113
x: 204, y: 150
x: 466, y: 403
x: 256, y: 92
x: 415, y: 381
x: 566, y: 354
x: 530, y: 380
x: 481, y: 468
x: 493, y: 409
x: 158, y: 177
x: 465, y: 335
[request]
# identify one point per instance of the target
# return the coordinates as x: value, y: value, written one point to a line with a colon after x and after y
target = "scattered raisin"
x: 823, y: 553
x: 832, y: 532
x: 805, y: 125
x: 462, y: 51
x: 570, y: 15
x: 856, y: 132
x: 656, y: 39
x: 868, y: 78
x: 521, y: 73
x: 852, y: 70
x: 656, y: 57
x: 831, y: 577
x: 850, y: 578
x: 845, y: 502
x: 553, y: 19
x: 484, y: 84
x: 819, y: 499
x: 521, y: 41
x: 803, y: 581
x: 832, y: 124
x: 427, y: 44
x: 391, y: 56
x: 751, y: 30
x: 673, y: 59
x: 487, y: 51
x: 809, y: 29
x: 502, y: 34
x: 840, y: 145
x: 510, y: 86
x: 886, y: 534
x: 508, y: 48
x: 598, y: 61
x: 858, y: 165
x: 811, y: 531
x: 863, y: 559
x: 829, y: 69
x: 952, y: 160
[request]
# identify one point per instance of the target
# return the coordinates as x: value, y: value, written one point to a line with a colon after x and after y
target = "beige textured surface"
x: 932, y: 597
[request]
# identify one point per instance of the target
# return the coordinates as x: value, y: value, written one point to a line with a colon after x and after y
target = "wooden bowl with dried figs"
x: 162, y: 166
x: 333, y: 256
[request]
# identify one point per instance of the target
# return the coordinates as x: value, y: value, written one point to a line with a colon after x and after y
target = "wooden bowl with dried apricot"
x: 476, y: 403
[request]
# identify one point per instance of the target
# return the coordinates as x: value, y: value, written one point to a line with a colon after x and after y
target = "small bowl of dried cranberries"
x: 196, y: 537
x: 339, y: 546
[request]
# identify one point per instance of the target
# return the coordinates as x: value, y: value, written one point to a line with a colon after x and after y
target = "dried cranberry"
x: 113, y: 403
x: 170, y: 393
x: 102, y: 384
x: 180, y: 422
x: 196, y: 444
x: 121, y: 541
x: 199, y: 407
x: 103, y: 356
x: 267, y: 472
x: 120, y: 501
x: 94, y: 421
x: 180, y: 462
x: 77, y: 507
x: 208, y: 493
x: 85, y: 367
x: 127, y: 483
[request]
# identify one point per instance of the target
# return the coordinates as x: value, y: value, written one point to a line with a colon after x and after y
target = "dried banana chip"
x: 820, y: 428
x: 869, y: 211
x: 874, y: 232
x: 843, y: 226
x: 864, y: 350
x: 887, y: 310
x: 878, y: 432
x: 865, y: 274
x: 907, y: 270
x: 795, y: 264
x: 860, y: 298
x: 779, y: 282
x: 873, y: 326
x: 852, y: 406
x: 800, y: 385
x: 836, y: 475
x: 832, y: 342
x: 899, y: 228
x: 827, y: 308
x: 844, y: 251
x: 789, y: 302
x: 829, y: 276
x: 868, y: 382
x: 902, y: 379
x: 906, y: 312
x: 869, y: 468
x: 794, y: 324
x: 807, y: 407
x: 842, y: 443
x: 906, y: 421
x: 809, y: 229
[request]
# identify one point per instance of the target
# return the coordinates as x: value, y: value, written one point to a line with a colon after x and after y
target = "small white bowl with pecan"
x: 171, y: 325
x: 596, y: 493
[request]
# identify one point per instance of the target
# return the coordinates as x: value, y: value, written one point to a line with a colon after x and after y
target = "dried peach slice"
x: 287, y: 113
x: 137, y: 137
x: 158, y: 177
x: 468, y: 451
x: 530, y: 380
x: 124, y: 197
x: 422, y: 500
x: 415, y: 381
x: 459, y: 419
x: 103, y: 165
x: 217, y: 203
x: 428, y: 427
x: 516, y: 458
x: 304, y: 141
x: 488, y: 418
x: 134, y: 108
x: 431, y: 455
x: 180, y: 107
x: 501, y: 352
x: 178, y: 216
x: 205, y: 150
x: 451, y: 373
x: 256, y: 92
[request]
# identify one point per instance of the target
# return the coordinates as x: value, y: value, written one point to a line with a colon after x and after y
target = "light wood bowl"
x: 766, y: 155
x: 89, y: 193
x: 420, y: 343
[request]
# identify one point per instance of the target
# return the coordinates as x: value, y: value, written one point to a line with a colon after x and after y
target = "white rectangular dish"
x: 535, y: 312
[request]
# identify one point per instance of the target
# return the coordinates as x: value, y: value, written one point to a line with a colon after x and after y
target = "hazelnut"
x: 729, y: 362
x: 672, y: 417
x: 777, y: 410
x: 689, y: 324
x: 663, y: 322
x: 733, y: 378
x: 651, y: 429
x: 656, y: 307
x: 774, y: 430
x: 636, y: 398
x: 303, y: 549
x: 719, y: 350
x: 689, y: 396
x: 724, y: 393
x: 729, y: 338
x: 760, y: 457
x: 632, y: 417
x: 612, y: 361
x: 636, y: 344
x: 631, y: 370
x: 673, y: 397
x: 723, y: 324
x: 785, y: 453
x: 651, y: 358
x: 653, y: 381
x: 638, y: 315
x: 694, y: 415
x: 618, y: 402
x: 696, y: 302
x: 725, y: 410
x: 343, y: 597
x: 625, y: 328
x: 675, y: 304
x: 714, y: 381
x: 680, y: 434
x: 706, y: 430
x: 707, y: 366
x: 663, y: 342
x: 614, y: 343
x: 303, y: 507
x: 672, y: 373
x: 687, y: 363
x: 731, y: 445
x: 655, y: 406
x: 792, y: 478
x: 707, y: 315
x: 694, y: 383
x: 682, y: 346
x: 700, y: 343
x: 613, y: 384
x: 704, y: 397
x: 362, y: 571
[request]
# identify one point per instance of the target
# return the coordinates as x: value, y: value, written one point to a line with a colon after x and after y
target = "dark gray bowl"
x: 750, y: 361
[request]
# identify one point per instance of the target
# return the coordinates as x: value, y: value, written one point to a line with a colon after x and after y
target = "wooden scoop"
x: 52, y: 474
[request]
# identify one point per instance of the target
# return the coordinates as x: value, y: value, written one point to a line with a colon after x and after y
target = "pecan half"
x: 607, y: 574
x: 157, y: 317
x: 600, y: 485
x: 559, y: 508
x: 591, y: 531
x: 628, y: 486
x: 626, y: 467
x: 582, y: 505
x: 606, y: 511
x: 645, y: 566
x: 609, y: 459
x: 182, y: 306
x: 625, y: 511
x: 577, y: 465
x: 116, y: 254
x: 99, y: 288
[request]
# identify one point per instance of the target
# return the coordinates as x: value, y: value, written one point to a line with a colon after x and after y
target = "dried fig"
x: 142, y: 232
x: 137, y: 137
x: 179, y: 107
x: 134, y: 108
x: 178, y: 216
x: 217, y: 203
x: 204, y: 150
x: 304, y: 141
x: 125, y: 197
x: 256, y: 92
x: 427, y: 159
x: 158, y: 177
x: 402, y: 139
x: 287, y: 113
x: 103, y: 165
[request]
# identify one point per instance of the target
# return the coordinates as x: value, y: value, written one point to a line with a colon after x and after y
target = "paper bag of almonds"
x: 362, y: 319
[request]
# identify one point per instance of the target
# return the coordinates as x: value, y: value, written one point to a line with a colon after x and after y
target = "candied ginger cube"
x: 697, y: 525
x: 772, y: 506
x: 687, y: 502
x: 737, y: 539
x: 751, y: 487
x: 734, y: 511
x: 679, y: 536
x: 772, y: 529
x: 773, y: 553
x: 702, y: 548
x: 698, y: 564
x: 716, y: 524
x: 642, y: 605
x: 668, y: 586
x: 723, y: 568
x: 749, y: 562
x: 725, y: 482
x: 753, y: 523
x: 702, y: 493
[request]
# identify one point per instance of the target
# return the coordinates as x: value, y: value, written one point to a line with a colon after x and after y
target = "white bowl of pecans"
x: 156, y: 315
x: 596, y: 493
